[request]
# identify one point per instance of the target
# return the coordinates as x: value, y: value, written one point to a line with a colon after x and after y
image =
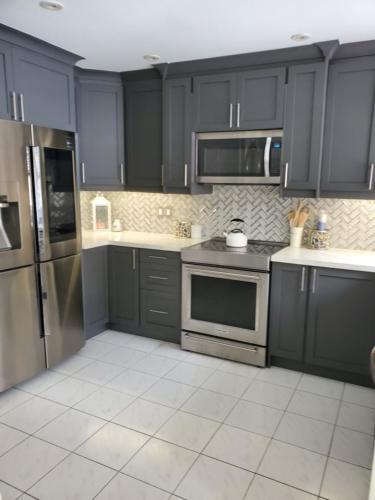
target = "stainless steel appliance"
x: 40, y: 279
x: 225, y: 293
x: 250, y: 157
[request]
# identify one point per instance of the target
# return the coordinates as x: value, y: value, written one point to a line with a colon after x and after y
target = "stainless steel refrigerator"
x: 40, y: 268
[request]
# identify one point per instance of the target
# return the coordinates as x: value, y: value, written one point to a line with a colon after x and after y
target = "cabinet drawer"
x: 160, y: 258
x: 159, y: 308
x: 159, y: 276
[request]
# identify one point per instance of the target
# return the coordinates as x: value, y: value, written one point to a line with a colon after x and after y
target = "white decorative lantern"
x: 101, y: 213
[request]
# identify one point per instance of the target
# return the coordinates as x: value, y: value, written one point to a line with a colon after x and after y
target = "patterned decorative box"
x: 318, y: 240
x: 183, y: 229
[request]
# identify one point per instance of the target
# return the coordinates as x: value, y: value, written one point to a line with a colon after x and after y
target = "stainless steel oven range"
x: 225, y: 294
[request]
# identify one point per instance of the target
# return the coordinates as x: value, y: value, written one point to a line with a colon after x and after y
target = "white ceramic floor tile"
x: 353, y: 447
x: 255, y: 418
x: 25, y: 464
x: 112, y: 445
x: 268, y: 394
x: 41, y: 382
x: 69, y: 391
x: 8, y: 492
x: 171, y: 350
x: 160, y: 464
x: 280, y: 376
x: 241, y: 369
x: 132, y: 382
x: 314, y: 406
x: 294, y: 466
x: 144, y: 416
x: 203, y: 360
x: 105, y: 403
x: 70, y: 429
x: 144, y: 344
x: 72, y: 365
x: 11, y: 399
x: 237, y: 447
x: 227, y: 383
x: 95, y: 350
x: 118, y: 339
x: 359, y: 395
x: 263, y: 488
x: 9, y: 438
x: 155, y: 365
x: 169, y: 393
x: 209, y: 479
x: 187, y: 373
x: 99, y: 372
x: 123, y: 356
x: 209, y: 404
x: 343, y: 481
x: 358, y: 418
x: 188, y: 431
x: 76, y: 478
x: 321, y: 386
x: 32, y: 415
x: 125, y: 487
x: 314, y: 435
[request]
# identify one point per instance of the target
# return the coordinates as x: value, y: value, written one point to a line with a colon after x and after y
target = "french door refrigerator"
x: 40, y: 278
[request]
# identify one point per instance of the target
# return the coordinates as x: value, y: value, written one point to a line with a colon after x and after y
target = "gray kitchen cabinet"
x: 289, y: 292
x: 260, y: 99
x: 100, y: 130
x: 143, y: 132
x: 123, y: 272
x: 6, y: 81
x: 302, y: 139
x: 45, y: 89
x: 349, y: 138
x: 95, y: 290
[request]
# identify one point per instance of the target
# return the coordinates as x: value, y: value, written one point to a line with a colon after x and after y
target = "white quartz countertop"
x: 338, y: 258
x: 155, y: 241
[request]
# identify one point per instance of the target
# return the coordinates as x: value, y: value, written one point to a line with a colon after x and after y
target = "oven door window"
x: 59, y: 175
x: 224, y: 301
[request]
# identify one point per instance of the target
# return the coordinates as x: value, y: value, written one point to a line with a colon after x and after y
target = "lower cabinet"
x: 322, y: 321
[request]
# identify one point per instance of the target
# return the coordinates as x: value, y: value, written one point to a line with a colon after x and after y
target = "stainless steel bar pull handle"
x: 371, y: 178
x: 313, y: 287
x: 230, y: 115
x: 156, y: 311
x: 14, y: 105
x: 238, y: 113
x: 133, y: 252
x: 162, y: 174
x: 122, y: 167
x: 186, y: 175
x: 286, y: 175
x: 22, y: 107
x: 303, y: 277
x: 83, y: 172
x: 158, y: 277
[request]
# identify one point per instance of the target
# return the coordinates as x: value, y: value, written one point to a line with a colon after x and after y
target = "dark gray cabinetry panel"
x: 45, y: 89
x: 95, y: 290
x: 288, y: 310
x: 260, y: 99
x: 349, y: 139
x: 143, y: 122
x: 6, y: 81
x: 341, y: 318
x: 124, y: 287
x: 214, y: 102
x: 304, y: 114
x: 101, y: 131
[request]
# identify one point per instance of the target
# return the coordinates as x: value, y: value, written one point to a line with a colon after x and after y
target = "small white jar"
x: 296, y: 234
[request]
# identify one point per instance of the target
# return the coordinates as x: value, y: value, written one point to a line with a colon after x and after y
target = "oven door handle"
x: 249, y: 277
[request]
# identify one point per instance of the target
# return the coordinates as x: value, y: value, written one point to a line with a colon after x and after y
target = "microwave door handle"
x: 267, y: 150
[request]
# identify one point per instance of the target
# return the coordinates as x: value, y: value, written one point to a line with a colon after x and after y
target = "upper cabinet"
x: 239, y: 101
x: 143, y: 133
x: 302, y: 141
x: 349, y: 137
x: 7, y: 95
x: 100, y: 130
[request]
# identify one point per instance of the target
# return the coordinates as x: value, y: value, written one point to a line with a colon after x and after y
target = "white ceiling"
x: 115, y: 34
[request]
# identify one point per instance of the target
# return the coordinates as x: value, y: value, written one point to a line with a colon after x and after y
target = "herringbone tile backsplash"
x: 352, y: 222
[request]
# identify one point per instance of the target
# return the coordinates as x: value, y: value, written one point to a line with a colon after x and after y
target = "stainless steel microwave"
x: 249, y: 157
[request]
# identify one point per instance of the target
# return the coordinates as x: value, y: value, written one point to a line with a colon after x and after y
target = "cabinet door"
x: 176, y: 133
x: 6, y: 81
x: 302, y: 141
x: 349, y: 147
x: 95, y: 290
x: 214, y: 102
x: 289, y: 285
x: 101, y: 135
x: 260, y: 99
x: 46, y: 90
x: 341, y: 319
x: 143, y: 103
x: 123, y: 287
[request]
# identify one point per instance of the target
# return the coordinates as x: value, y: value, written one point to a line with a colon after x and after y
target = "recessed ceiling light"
x: 151, y: 58
x: 54, y: 6
x: 300, y: 37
